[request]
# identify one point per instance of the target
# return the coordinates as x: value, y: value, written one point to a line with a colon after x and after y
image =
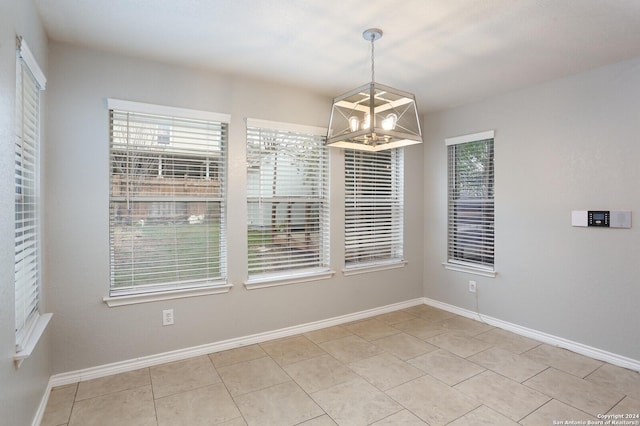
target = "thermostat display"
x: 598, y: 218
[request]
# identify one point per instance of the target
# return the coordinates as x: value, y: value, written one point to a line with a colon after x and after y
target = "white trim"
x: 132, y: 299
x: 42, y: 407
x: 480, y: 136
x: 540, y: 336
x: 32, y: 64
x: 485, y: 272
x: 289, y: 127
x: 180, y: 354
x: 278, y: 280
x: 33, y: 339
x: 375, y: 267
x: 145, y: 108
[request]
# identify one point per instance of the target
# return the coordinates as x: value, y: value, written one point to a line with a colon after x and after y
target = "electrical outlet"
x: 167, y: 317
x: 472, y: 286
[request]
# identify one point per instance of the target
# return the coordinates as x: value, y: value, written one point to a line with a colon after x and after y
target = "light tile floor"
x: 417, y: 366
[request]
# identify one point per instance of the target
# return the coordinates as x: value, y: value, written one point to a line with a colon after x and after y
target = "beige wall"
x: 570, y: 144
x: 85, y: 331
x: 21, y: 390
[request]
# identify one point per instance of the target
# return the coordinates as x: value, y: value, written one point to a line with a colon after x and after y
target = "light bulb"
x: 354, y: 123
x: 389, y: 123
x: 367, y: 121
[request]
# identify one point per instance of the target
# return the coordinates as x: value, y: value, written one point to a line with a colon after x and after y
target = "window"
x: 471, y: 202
x: 374, y: 208
x: 167, y: 199
x: 30, y: 81
x: 287, y: 201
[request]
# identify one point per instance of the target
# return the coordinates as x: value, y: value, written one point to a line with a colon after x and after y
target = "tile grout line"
x: 235, y: 404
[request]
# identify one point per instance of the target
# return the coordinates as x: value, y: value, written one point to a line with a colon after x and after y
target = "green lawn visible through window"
x: 154, y: 245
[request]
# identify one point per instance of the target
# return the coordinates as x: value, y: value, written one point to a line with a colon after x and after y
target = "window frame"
x: 314, y: 138
x: 485, y: 218
x: 29, y: 323
x: 165, y: 114
x: 358, y: 237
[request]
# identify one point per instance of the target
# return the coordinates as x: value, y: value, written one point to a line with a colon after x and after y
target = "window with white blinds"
x: 374, y: 207
x: 287, y: 200
x: 471, y: 201
x: 167, y: 198
x: 29, y: 82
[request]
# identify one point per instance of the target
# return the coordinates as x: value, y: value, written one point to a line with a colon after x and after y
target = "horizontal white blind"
x: 471, y: 203
x: 374, y: 207
x: 287, y: 201
x: 167, y: 202
x: 27, y: 199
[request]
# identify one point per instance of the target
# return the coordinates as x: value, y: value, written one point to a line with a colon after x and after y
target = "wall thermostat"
x: 598, y: 218
x: 601, y: 218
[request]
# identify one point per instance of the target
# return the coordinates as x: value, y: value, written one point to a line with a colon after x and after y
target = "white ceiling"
x: 447, y: 52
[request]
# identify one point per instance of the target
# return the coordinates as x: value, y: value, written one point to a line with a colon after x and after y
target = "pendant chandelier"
x: 374, y: 117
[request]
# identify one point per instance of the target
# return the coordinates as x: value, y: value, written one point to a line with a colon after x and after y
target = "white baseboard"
x: 611, y: 358
x: 37, y: 419
x: 180, y: 354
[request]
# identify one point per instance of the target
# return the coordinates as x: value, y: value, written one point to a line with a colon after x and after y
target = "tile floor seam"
x: 551, y: 401
x: 316, y: 402
x: 308, y: 420
x: 515, y: 381
x: 240, y: 362
x: 571, y: 404
x: 182, y: 391
x: 468, y: 412
x: 536, y: 409
x: 177, y: 392
x: 73, y: 403
x: 549, y: 398
x: 362, y: 380
x: 302, y: 387
x: 76, y: 403
x: 306, y: 359
x: 619, y: 401
x: 391, y: 415
x: 112, y: 392
x: 613, y: 386
x: 471, y: 377
x: 540, y: 407
x: 402, y: 407
x: 400, y: 384
x: 228, y: 391
x: 155, y: 407
x: 262, y: 388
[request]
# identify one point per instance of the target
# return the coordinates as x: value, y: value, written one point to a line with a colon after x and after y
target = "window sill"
x: 133, y: 299
x: 373, y: 267
x: 278, y: 280
x: 32, y: 341
x: 485, y: 272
